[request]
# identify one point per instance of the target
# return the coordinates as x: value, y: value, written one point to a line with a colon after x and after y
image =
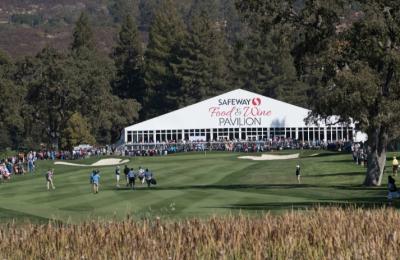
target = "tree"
x: 82, y: 35
x: 11, y: 121
x: 161, y: 84
x: 94, y: 74
x: 351, y: 57
x: 201, y: 62
x: 98, y: 105
x: 52, y: 93
x: 120, y: 9
x: 128, y: 58
x: 77, y: 131
x: 262, y: 60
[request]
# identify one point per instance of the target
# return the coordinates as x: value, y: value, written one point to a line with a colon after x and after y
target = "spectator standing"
x: 31, y: 166
x: 392, y: 190
x: 395, y: 166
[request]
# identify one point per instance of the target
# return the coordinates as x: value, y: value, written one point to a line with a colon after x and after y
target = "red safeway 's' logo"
x: 256, y: 101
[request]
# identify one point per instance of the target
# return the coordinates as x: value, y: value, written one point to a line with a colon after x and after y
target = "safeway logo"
x: 256, y: 101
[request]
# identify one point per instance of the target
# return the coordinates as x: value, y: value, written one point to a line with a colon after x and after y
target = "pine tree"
x: 120, y: 9
x: 262, y: 63
x: 211, y: 7
x: 82, y: 35
x: 352, y: 61
x: 94, y: 74
x: 128, y: 58
x: 202, y: 61
x: 161, y: 85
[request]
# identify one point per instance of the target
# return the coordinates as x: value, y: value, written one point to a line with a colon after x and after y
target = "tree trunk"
x: 377, y: 142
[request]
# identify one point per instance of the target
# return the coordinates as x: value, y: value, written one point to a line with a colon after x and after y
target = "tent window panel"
x: 329, y: 134
x: 287, y: 133
x: 334, y: 137
x: 271, y: 132
x: 350, y: 137
x: 340, y: 129
x: 305, y: 134
x: 301, y: 136
x: 129, y: 137
x: 345, y: 135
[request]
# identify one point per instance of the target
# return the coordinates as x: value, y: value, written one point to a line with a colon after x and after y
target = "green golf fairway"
x: 190, y: 184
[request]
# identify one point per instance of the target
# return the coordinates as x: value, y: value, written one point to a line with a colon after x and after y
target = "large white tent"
x: 235, y: 115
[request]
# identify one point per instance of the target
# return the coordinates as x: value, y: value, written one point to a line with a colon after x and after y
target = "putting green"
x: 190, y: 184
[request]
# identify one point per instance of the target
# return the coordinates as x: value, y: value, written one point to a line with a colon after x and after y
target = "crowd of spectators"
x: 162, y: 148
x: 25, y: 162
x: 359, y: 153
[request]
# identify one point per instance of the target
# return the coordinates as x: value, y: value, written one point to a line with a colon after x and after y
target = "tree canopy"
x: 348, y: 51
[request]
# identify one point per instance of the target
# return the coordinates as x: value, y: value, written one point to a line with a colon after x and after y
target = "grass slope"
x: 190, y: 184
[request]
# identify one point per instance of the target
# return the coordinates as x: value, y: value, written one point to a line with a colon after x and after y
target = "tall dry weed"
x: 318, y: 234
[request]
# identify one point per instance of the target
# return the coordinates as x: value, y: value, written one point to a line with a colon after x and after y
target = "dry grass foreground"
x: 318, y: 234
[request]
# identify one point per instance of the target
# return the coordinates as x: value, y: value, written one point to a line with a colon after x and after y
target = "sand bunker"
x: 102, y: 162
x: 270, y: 157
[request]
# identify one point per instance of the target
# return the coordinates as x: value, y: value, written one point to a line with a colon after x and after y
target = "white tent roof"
x: 237, y: 108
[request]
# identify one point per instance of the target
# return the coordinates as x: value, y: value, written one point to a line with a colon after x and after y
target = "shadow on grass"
x: 254, y: 186
x: 337, y: 174
x: 364, y: 203
x: 9, y: 216
x: 323, y: 154
x: 341, y: 161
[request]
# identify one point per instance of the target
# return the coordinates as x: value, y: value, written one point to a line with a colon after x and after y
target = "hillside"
x: 26, y: 26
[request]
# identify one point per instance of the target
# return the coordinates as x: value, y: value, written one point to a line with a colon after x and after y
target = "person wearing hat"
x: 49, y: 179
x: 96, y: 181
x: 141, y: 174
x: 395, y: 165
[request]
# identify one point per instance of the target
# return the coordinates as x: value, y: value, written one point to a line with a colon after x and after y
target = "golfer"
x: 141, y: 174
x: 149, y: 178
x: 298, y: 173
x: 117, y: 173
x: 126, y: 171
x: 49, y: 179
x: 96, y: 181
x: 132, y: 177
